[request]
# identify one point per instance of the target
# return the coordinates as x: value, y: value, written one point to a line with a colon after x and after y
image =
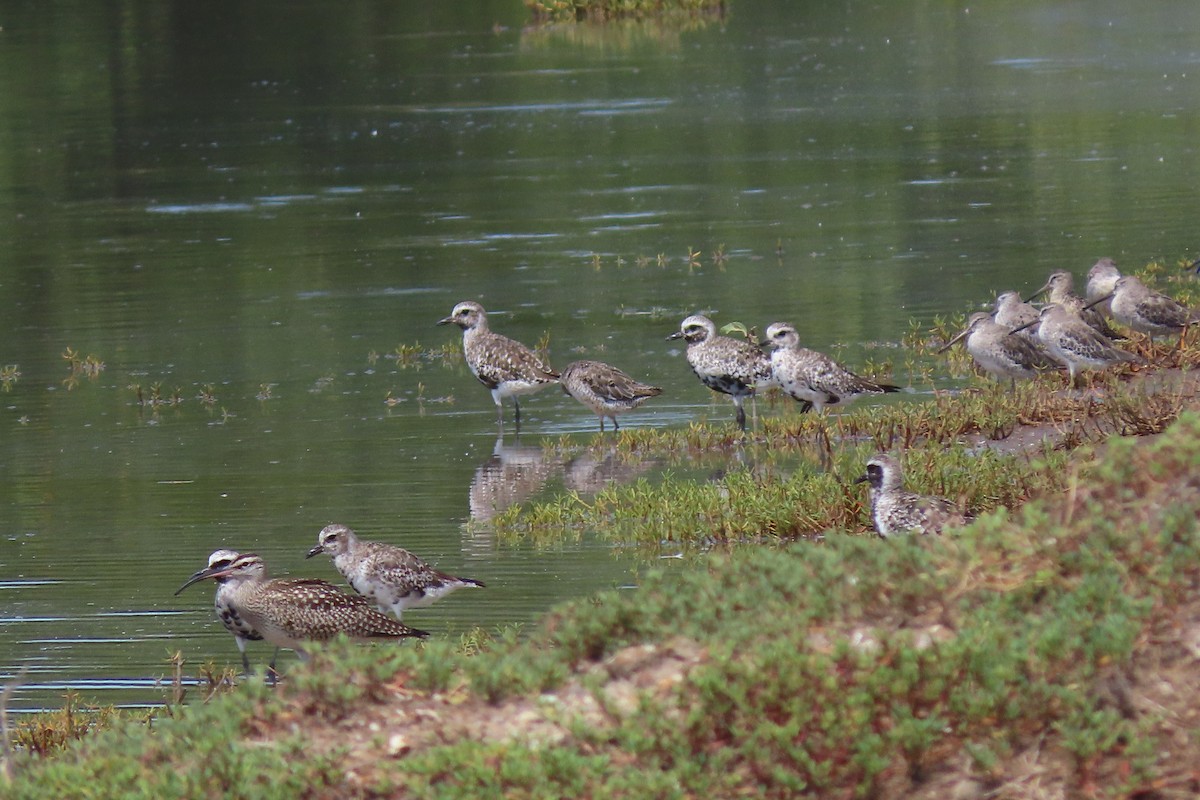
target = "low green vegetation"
x: 1053, y: 642
x: 1041, y: 644
x: 794, y: 476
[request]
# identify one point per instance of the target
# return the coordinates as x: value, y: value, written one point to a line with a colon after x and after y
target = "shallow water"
x: 261, y: 209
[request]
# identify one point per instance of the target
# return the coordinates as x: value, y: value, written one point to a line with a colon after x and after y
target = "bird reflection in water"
x: 512, y: 474
x: 515, y: 472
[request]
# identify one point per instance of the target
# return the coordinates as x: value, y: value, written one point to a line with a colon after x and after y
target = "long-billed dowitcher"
x: 1060, y: 290
x: 1147, y: 311
x: 1077, y: 345
x: 1000, y: 352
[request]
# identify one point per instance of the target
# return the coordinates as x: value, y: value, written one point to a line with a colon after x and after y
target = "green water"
x: 261, y: 204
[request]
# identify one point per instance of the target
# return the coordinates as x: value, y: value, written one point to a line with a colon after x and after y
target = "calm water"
x: 213, y: 198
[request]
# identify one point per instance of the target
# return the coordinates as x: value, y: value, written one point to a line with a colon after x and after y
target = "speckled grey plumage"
x: 895, y: 510
x: 392, y: 577
x: 1147, y: 311
x: 1060, y: 290
x: 730, y: 366
x: 291, y: 612
x: 505, y: 366
x: 1017, y: 315
x: 606, y: 390
x: 1075, y: 344
x: 242, y: 631
x: 999, y: 352
x: 812, y: 377
x: 1102, y: 280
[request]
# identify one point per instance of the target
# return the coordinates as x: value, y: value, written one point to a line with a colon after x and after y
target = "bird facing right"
x: 606, y: 390
x: 391, y: 576
x: 895, y: 510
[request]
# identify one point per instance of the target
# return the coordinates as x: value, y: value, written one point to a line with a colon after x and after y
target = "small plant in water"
x: 207, y: 395
x: 9, y: 375
x: 719, y: 256
x: 89, y: 366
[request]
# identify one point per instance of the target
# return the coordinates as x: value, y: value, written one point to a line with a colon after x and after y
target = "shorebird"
x: 606, y: 390
x: 506, y: 367
x: 1072, y: 342
x: 1000, y: 352
x: 242, y: 631
x: 1060, y: 290
x: 813, y: 378
x: 391, y: 576
x: 895, y: 510
x: 730, y: 366
x: 1016, y: 315
x: 1148, y: 311
x: 1102, y: 279
x: 290, y: 612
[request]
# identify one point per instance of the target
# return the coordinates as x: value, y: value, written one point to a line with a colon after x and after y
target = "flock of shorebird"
x: 735, y: 367
x: 1016, y: 340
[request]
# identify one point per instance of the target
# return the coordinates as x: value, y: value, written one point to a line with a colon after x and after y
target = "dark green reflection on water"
x: 228, y: 198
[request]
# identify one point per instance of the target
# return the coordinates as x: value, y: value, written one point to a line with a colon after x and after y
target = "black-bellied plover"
x: 1000, y: 352
x: 1018, y: 316
x: 895, y: 510
x: 1147, y: 311
x: 242, y: 631
x: 731, y: 366
x: 812, y: 377
x: 291, y: 612
x: 606, y: 390
x: 505, y: 366
x: 1060, y: 290
x: 1102, y: 279
x: 391, y: 576
x: 1075, y: 344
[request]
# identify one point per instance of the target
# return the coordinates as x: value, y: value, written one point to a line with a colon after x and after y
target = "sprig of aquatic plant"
x: 9, y: 375
x: 207, y: 396
x: 414, y: 355
x: 89, y: 366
